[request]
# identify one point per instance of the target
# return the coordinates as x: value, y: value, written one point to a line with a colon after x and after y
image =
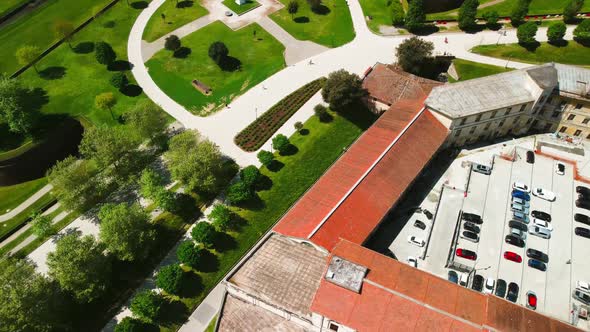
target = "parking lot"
x: 490, y: 197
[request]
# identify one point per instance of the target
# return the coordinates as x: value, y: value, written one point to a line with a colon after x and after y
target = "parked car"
x: 518, y: 225
x: 469, y: 226
x: 583, y: 198
x: 521, y: 195
x: 581, y: 296
x: 538, y: 255
x: 419, y: 224
x: 477, y: 283
x: 521, y: 186
x: 540, y: 232
x: 416, y: 241
x: 530, y: 157
x: 583, y: 286
x: 542, y: 223
x: 470, y: 236
x: 474, y: 218
x: 541, y: 215
x: 467, y: 254
x: 536, y: 264
x: 544, y: 194
x: 512, y: 295
x: 487, y: 170
x: 520, y: 216
x: 489, y: 286
x: 500, y: 288
x: 583, y: 232
x: 512, y: 256
x: 521, y: 201
x: 518, y: 232
x: 412, y: 261
x: 583, y: 204
x: 514, y: 240
x: 531, y: 300
x: 463, y: 279
x: 584, y: 219
x: 560, y: 168
x: 519, y: 208
x: 583, y: 190
x: 453, y: 277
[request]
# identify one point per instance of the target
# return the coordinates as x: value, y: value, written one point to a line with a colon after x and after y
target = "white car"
x: 543, y: 224
x: 521, y: 186
x: 416, y: 241
x: 544, y: 194
x: 560, y: 168
x: 412, y: 261
x: 539, y: 231
x: 583, y: 286
x: 489, y: 286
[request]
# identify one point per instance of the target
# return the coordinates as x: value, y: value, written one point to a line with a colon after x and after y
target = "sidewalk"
x: 24, y: 205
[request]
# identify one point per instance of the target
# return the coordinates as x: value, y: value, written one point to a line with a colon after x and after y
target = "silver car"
x: 481, y: 169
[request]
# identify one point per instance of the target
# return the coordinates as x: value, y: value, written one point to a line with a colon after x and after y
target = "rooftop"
x: 574, y: 80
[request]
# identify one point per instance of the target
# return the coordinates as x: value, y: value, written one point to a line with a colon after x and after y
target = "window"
x: 563, y: 129
x: 333, y: 327
x: 529, y: 120
x: 501, y: 123
x: 577, y: 133
x: 571, y: 117
x: 487, y: 126
x: 522, y: 108
x: 555, y: 114
x: 478, y: 118
x: 562, y: 105
x: 541, y: 112
x: 586, y: 120
x: 535, y: 122
x: 493, y: 114
x: 463, y: 121
x: 458, y: 132
x: 547, y: 127
x: 472, y: 130
x: 578, y: 106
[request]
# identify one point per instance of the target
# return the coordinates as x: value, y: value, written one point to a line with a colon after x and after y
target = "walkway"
x: 24, y: 205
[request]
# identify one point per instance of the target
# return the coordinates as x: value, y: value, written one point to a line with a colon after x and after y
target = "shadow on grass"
x: 255, y: 204
x: 229, y: 63
x: 275, y: 166
x: 583, y: 42
x: 289, y: 150
x: 321, y: 10
x: 475, y: 29
x: 426, y: 30
x: 208, y: 262
x: 304, y: 132
x: 224, y: 242
x: 84, y: 48
x: 131, y: 90
x: 301, y: 19
x: 52, y: 73
x: 531, y: 47
x: 326, y: 117
x: 184, y: 4
x: 109, y: 24
x: 182, y: 52
x: 559, y: 43
x: 494, y: 27
x: 359, y: 115
x: 33, y: 100
x: 120, y: 65
x: 192, y: 285
x: 188, y: 209
x: 139, y: 4
x: 263, y: 183
x: 173, y: 313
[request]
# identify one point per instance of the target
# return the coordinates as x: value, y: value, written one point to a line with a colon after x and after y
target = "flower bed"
x: 258, y: 132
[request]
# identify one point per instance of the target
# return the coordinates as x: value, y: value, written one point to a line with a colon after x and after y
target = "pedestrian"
x: 446, y: 40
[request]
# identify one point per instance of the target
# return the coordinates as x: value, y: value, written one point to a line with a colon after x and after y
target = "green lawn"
x: 240, y: 9
x: 380, y: 12
x: 469, y: 70
x: 175, y: 16
x: 36, y: 27
x: 20, y: 218
x: 536, y: 7
x: 7, y: 5
x: 573, y: 53
x: 332, y: 28
x: 260, y: 56
x: 12, y: 196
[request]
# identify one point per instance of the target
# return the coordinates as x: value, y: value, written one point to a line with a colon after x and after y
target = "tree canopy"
x: 41, y: 225
x: 204, y: 233
x: 556, y: 32
x: 582, y: 32
x: 12, y: 107
x: 146, y: 119
x: 146, y: 305
x: 467, y: 13
x: 416, y: 15
x: 265, y: 157
x: 526, y: 33
x: 170, y: 278
x: 172, y: 43
x: 281, y: 143
x: 27, y: 54
x: 293, y: 7
x: 187, y: 253
x: 150, y: 183
x: 64, y: 30
x: 104, y: 53
x: 413, y: 54
x: 519, y: 11
x: 218, y: 52
x: 343, y: 89
x: 221, y: 217
x: 571, y: 10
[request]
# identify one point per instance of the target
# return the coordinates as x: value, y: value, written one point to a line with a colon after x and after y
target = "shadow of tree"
x: 84, y: 47
x: 52, y: 73
x: 229, y: 63
x: 184, y: 4
x: 321, y: 10
x: 560, y: 43
x: 289, y: 150
x: 263, y: 183
x: 475, y: 29
x: 224, y: 242
x: 109, y: 24
x: 173, y: 313
x: 301, y: 19
x: 139, y: 4
x: 131, y: 90
x: 209, y: 262
x: 426, y: 30
x: 254, y: 204
x: 275, y: 166
x: 120, y: 65
x: 34, y: 99
x: 192, y: 285
x: 182, y: 52
x: 531, y: 47
x: 304, y: 132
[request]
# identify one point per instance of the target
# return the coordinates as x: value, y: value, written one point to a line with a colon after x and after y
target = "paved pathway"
x: 24, y: 205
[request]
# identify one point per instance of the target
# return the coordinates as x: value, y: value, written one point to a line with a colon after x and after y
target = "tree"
x: 150, y: 183
x: 221, y: 217
x: 571, y: 10
x: 265, y: 157
x: 129, y: 324
x: 119, y: 80
x: 281, y: 143
x: 298, y: 126
x: 582, y: 32
x: 188, y: 254
x: 106, y: 101
x: 526, y: 33
x: 398, y: 14
x: 146, y: 305
x: 343, y: 89
x: 250, y: 175
x: 166, y: 200
x: 126, y: 231
x: 12, y: 109
x: 293, y: 7
x: 415, y: 16
x: 104, y: 53
x: 64, y: 30
x: 204, y: 233
x: 218, y: 52
x: 519, y: 11
x: 147, y: 121
x: 491, y: 18
x: 321, y: 112
x: 239, y: 192
x: 467, y: 13
x: 556, y: 32
x: 170, y: 278
x: 42, y: 226
x: 80, y: 267
x: 75, y: 184
x: 195, y: 162
x: 27, y: 55
x: 413, y: 54
x: 172, y: 43
x: 314, y: 5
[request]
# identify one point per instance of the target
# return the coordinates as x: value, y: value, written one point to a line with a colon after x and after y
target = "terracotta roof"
x: 389, y: 84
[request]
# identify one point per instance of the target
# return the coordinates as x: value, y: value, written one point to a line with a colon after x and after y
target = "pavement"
x: 24, y: 205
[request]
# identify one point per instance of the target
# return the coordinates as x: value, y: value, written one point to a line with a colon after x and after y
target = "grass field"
x: 36, y: 27
x: 331, y: 28
x: 12, y: 196
x: 573, y: 53
x: 7, y: 5
x: 380, y: 12
x: 260, y: 57
x: 536, y: 7
x: 20, y: 218
x: 240, y: 9
x: 469, y: 70
x: 175, y: 16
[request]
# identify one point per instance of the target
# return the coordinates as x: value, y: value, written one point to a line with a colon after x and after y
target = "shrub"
x: 204, y: 233
x: 556, y: 32
x: 170, y: 278
x: 582, y: 32
x: 221, y: 217
x: 119, y: 80
x: 526, y: 33
x: 188, y: 254
x: 172, y: 43
x: 104, y: 53
x: 467, y: 14
x: 129, y: 324
x: 571, y: 10
x: 146, y: 305
x: 298, y: 125
x: 281, y: 143
x: 266, y: 157
x: 519, y: 11
x: 398, y: 14
x: 321, y: 112
x: 491, y: 18
x: 416, y: 15
x: 239, y: 192
x: 218, y: 52
x: 250, y: 175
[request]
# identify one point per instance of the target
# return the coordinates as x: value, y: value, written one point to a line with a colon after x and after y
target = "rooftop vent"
x: 346, y: 274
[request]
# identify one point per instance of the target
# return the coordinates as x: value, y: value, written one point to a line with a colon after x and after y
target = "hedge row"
x: 259, y: 131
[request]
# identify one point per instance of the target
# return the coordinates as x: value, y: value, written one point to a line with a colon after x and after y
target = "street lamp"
x: 256, y: 112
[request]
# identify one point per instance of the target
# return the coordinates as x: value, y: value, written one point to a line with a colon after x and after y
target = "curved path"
x: 24, y: 205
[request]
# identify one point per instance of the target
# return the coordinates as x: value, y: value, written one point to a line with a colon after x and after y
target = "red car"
x: 531, y: 300
x: 467, y: 254
x: 512, y: 256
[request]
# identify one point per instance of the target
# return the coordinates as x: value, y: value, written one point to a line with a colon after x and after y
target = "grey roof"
x: 544, y: 75
x: 573, y: 79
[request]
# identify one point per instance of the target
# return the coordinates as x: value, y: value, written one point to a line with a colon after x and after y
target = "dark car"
x: 583, y: 190
x: 419, y: 224
x: 477, y: 283
x: 512, y: 295
x: 453, y: 277
x: 583, y: 204
x: 584, y: 219
x: 470, y: 236
x: 583, y: 198
x: 500, y: 288
x: 541, y: 215
x: 538, y: 255
x: 583, y: 232
x: 536, y: 264
x: 514, y: 240
x: 469, y: 226
x: 474, y: 218
x: 518, y: 225
x: 530, y: 157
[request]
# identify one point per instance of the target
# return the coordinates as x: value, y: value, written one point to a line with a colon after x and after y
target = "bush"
x: 519, y: 11
x: 467, y: 13
x: 218, y: 52
x: 239, y: 192
x: 321, y: 112
x: 204, y: 233
x: 119, y: 80
x: 170, y: 278
x: 266, y: 157
x: 172, y: 43
x: 398, y: 14
x: 491, y: 18
x: 146, y: 305
x: 280, y: 143
x: 571, y: 10
x: 250, y: 175
x: 298, y: 126
x: 221, y: 217
x: 188, y: 254
x: 526, y: 33
x: 104, y: 53
x: 556, y: 32
x: 582, y: 32
x: 416, y: 15
x: 129, y: 324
